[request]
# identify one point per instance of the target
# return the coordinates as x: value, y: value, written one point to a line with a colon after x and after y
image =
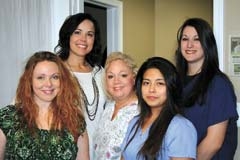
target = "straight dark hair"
x: 210, y: 66
x: 151, y: 147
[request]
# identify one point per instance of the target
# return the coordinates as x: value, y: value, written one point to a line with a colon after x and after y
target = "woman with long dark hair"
x: 159, y: 132
x: 209, y: 98
x: 80, y: 48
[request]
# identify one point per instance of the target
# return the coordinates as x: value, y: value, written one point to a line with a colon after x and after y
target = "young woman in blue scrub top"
x: 209, y: 98
x: 159, y: 132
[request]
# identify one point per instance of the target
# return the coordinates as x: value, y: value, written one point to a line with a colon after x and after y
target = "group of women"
x: 68, y: 106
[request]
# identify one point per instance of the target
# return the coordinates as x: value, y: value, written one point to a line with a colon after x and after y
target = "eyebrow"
x: 87, y: 31
x: 159, y: 79
x: 184, y: 35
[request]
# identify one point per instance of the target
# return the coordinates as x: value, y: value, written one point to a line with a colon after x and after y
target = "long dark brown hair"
x: 210, y: 66
x: 151, y: 147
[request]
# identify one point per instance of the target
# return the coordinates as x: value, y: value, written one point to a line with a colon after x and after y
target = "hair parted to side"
x: 127, y: 59
x: 66, y: 106
x: 210, y: 66
x: 152, y: 145
x: 69, y: 26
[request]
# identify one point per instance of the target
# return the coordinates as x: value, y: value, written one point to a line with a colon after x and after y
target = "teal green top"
x: 44, y: 145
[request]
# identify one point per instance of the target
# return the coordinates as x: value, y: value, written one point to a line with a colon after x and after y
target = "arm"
x: 3, y: 141
x: 212, y: 142
x: 83, y: 147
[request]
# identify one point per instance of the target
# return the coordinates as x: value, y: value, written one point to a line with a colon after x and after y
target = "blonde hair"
x: 127, y: 59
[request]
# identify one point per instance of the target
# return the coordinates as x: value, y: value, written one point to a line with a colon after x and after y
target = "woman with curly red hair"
x: 46, y: 121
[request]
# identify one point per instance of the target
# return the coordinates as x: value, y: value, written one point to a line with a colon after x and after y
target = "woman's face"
x: 154, y: 90
x: 119, y: 80
x: 191, y: 47
x: 45, y: 82
x: 82, y: 39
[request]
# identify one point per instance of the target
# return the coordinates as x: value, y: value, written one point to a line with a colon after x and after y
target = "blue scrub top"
x: 180, y: 140
x: 220, y: 105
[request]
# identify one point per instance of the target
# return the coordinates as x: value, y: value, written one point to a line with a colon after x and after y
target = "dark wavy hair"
x: 66, y: 106
x: 68, y: 27
x: 210, y: 65
x: 152, y: 145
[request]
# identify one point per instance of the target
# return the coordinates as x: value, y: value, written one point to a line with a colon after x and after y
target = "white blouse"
x: 85, y: 80
x: 110, y: 133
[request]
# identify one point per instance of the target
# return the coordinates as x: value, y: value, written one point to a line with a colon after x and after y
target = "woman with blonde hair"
x: 120, y: 73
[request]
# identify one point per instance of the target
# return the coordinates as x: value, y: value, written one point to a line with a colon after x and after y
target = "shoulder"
x: 7, y: 111
x: 180, y: 129
x: 221, y: 80
x: 132, y: 107
x: 109, y: 105
x: 221, y: 86
x: 98, y: 70
x: 182, y: 124
x: 98, y: 73
x: 181, y: 132
x: 133, y: 121
x: 8, y: 118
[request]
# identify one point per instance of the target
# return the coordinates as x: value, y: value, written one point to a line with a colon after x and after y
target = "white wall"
x: 237, y: 155
x: 25, y: 27
x: 232, y: 28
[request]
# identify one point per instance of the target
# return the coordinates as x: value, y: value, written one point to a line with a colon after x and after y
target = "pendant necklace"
x: 94, y: 104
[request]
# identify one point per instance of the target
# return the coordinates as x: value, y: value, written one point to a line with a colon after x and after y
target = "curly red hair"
x: 65, y: 107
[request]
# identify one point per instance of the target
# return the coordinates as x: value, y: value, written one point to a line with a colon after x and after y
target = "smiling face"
x: 119, y: 80
x: 45, y: 82
x: 82, y: 39
x: 191, y: 47
x: 154, y: 90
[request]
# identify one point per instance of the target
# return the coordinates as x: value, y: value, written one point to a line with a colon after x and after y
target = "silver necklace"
x: 94, y: 105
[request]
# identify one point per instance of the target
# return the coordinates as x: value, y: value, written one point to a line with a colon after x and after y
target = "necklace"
x: 94, y: 104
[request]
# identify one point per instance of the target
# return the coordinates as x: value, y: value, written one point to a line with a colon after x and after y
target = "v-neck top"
x: 180, y: 140
x: 111, y: 132
x: 45, y: 144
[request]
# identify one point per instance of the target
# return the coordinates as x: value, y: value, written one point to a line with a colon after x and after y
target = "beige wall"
x: 169, y: 15
x: 150, y: 26
x: 232, y: 28
x: 138, y: 29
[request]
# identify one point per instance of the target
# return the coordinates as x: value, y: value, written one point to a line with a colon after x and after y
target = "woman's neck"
x: 75, y: 66
x: 194, y: 69
x: 77, y: 63
x: 148, y: 121
x: 151, y: 118
x: 124, y: 102
x: 121, y: 104
x: 44, y: 118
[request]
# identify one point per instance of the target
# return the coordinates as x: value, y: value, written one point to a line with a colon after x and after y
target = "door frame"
x: 114, y: 22
x: 218, y: 27
x: 63, y: 8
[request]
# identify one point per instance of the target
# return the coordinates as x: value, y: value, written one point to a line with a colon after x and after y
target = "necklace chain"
x: 90, y: 112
